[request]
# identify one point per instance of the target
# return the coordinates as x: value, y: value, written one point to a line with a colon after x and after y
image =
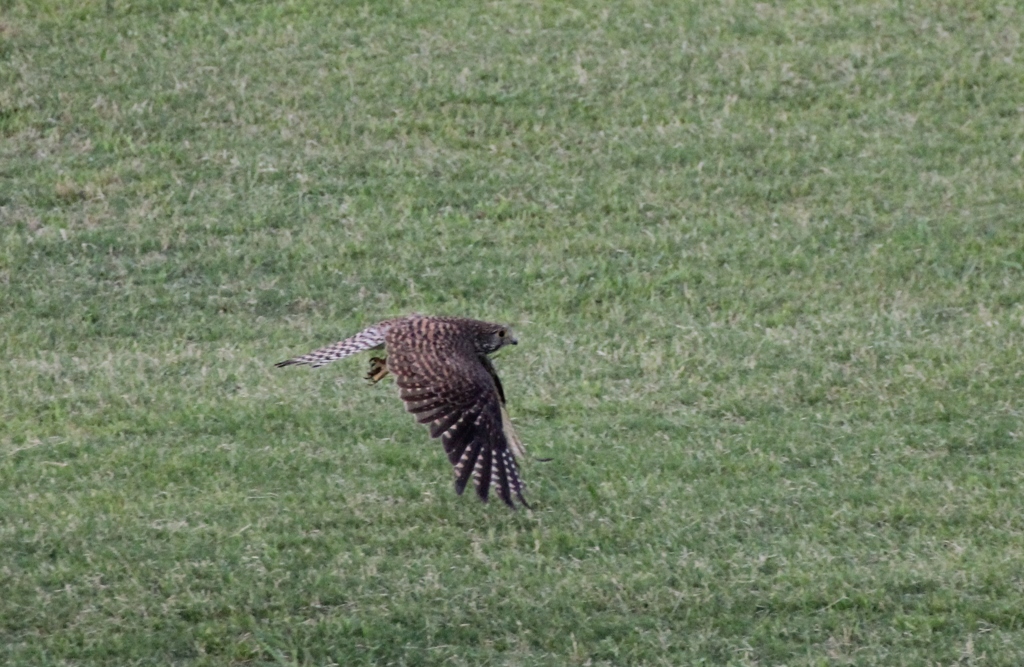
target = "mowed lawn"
x: 765, y: 262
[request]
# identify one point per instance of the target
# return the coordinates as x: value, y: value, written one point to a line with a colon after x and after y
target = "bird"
x: 446, y: 379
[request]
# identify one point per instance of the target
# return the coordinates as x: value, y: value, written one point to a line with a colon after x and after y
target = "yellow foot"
x: 378, y: 369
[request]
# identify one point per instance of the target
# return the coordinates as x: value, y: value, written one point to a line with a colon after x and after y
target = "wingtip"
x: 505, y: 493
x: 484, y: 496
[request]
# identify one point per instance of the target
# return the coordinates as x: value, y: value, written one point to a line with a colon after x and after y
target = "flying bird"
x: 446, y: 379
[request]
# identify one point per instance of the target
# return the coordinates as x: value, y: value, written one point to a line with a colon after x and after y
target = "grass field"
x: 765, y: 263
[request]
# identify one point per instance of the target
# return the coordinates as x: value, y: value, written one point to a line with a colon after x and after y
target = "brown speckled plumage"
x: 448, y: 382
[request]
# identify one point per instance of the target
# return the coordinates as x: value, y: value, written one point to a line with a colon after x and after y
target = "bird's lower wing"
x: 475, y: 431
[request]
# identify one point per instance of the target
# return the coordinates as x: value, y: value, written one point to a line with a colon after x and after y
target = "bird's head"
x: 493, y: 337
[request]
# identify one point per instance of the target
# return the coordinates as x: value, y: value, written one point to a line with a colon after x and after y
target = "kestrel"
x: 448, y: 382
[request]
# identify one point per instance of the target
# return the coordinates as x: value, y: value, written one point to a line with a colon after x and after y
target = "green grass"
x: 766, y: 266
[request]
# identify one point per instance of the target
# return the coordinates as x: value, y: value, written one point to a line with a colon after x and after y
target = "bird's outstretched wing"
x: 506, y: 422
x: 367, y: 339
x: 460, y: 400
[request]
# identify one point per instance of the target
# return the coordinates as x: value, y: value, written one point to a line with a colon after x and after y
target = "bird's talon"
x: 378, y: 369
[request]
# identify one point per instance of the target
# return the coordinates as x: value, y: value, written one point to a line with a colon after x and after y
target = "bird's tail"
x: 369, y: 338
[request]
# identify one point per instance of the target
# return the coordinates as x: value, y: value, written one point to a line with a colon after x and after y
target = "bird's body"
x: 447, y: 380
